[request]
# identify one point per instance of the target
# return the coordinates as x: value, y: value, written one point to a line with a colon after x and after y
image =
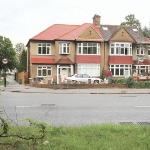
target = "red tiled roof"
x: 42, y: 60
x: 96, y: 59
x: 120, y: 60
x: 64, y: 60
x: 144, y: 62
x: 54, y: 32
x: 65, y: 32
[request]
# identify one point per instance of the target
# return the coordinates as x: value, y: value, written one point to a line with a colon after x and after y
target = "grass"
x: 1, y: 82
x: 94, y: 137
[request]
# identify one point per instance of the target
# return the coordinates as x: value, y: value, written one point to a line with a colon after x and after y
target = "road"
x: 76, y: 108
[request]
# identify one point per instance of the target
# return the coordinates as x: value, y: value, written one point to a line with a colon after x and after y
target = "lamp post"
x: 4, y: 61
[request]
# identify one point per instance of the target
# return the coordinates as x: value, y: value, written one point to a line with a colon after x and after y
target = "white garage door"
x: 90, y: 69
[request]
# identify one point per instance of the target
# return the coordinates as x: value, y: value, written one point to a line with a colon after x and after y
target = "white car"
x: 85, y: 78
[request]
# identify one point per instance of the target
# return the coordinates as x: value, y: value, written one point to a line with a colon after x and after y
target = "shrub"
x: 130, y: 82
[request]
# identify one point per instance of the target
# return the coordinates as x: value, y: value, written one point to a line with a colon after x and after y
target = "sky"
x: 20, y: 20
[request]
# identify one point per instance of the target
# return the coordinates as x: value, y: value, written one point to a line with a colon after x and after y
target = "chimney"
x: 96, y: 20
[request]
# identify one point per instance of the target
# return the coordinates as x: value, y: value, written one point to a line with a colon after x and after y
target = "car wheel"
x: 96, y: 82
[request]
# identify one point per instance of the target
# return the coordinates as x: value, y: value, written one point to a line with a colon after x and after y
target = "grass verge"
x: 94, y: 137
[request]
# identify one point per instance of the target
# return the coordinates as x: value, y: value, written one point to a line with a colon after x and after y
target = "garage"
x: 90, y: 69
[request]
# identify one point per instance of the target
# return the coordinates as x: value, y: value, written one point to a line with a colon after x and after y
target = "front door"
x: 63, y: 72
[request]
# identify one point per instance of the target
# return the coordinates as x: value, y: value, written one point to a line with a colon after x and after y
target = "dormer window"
x: 105, y: 28
x: 44, y: 49
x: 64, y: 48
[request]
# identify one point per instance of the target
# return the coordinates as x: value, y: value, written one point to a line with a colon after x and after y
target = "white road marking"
x: 28, y: 106
x: 142, y: 106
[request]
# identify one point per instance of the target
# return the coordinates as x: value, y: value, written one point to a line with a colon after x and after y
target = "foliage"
x: 93, y: 137
x: 19, y: 48
x: 22, y: 65
x: 21, y: 137
x: 146, y: 32
x: 130, y: 82
x: 131, y: 21
x: 7, y: 51
x: 107, y: 73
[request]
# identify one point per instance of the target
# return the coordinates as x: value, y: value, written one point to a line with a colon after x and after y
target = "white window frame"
x: 140, y: 50
x: 148, y: 51
x: 125, y: 67
x: 47, y: 48
x: 119, y: 47
x: 41, y: 67
x: 80, y: 47
x: 64, y: 48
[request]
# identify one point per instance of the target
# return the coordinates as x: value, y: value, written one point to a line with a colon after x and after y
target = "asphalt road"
x: 76, y: 109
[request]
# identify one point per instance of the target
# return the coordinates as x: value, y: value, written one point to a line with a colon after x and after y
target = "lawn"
x: 1, y: 82
x: 94, y: 137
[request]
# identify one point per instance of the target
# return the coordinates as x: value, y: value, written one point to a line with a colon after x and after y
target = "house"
x: 62, y: 50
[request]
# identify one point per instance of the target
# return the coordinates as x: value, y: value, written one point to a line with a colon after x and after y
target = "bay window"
x: 88, y: 48
x: 118, y: 48
x: 120, y: 70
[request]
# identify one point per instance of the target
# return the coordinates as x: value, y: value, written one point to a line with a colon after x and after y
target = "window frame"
x: 119, y: 67
x: 47, y: 48
x: 88, y: 48
x: 120, y: 48
x: 43, y: 67
x: 63, y: 45
x: 139, y: 50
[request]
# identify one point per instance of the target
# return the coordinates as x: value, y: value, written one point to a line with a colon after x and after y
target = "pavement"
x: 13, y: 86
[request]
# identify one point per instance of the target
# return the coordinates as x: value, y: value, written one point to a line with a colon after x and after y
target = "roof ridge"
x: 73, y: 30
x: 51, y: 27
x: 69, y: 31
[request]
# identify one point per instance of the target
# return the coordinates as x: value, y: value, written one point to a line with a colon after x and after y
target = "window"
x: 64, y: 48
x: 140, y: 50
x: 88, y: 48
x: 44, y: 71
x: 148, y: 50
x: 120, y: 70
x: 118, y: 48
x: 44, y: 49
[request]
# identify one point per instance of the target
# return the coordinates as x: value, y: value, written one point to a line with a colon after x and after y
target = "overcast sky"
x: 20, y: 20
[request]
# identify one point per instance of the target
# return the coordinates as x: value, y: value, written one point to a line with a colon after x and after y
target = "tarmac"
x: 13, y: 86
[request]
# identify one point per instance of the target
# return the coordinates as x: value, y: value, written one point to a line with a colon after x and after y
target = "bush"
x: 130, y: 82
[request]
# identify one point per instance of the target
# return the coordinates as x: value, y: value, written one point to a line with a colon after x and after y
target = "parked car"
x: 85, y: 78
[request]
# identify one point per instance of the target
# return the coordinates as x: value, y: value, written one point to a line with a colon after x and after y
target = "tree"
x: 7, y: 51
x: 22, y: 64
x: 146, y: 32
x: 131, y: 21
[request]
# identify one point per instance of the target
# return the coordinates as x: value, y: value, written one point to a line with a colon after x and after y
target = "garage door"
x: 90, y: 69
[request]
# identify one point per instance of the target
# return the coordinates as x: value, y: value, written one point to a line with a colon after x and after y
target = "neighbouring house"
x: 63, y: 50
